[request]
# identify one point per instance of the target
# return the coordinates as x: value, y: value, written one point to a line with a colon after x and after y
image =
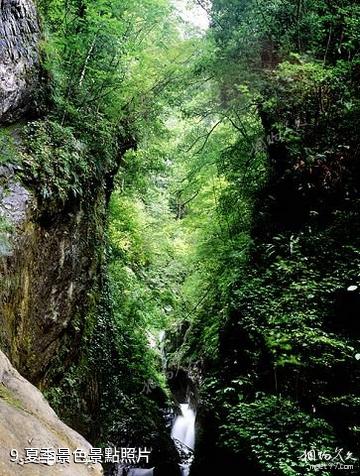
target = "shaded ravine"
x: 183, y: 435
x: 180, y: 416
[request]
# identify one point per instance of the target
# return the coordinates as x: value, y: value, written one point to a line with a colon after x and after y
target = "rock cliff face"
x: 19, y: 59
x: 48, y: 260
x: 49, y: 267
x: 27, y: 421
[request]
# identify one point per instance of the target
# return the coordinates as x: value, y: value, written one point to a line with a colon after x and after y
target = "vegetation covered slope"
x: 232, y: 160
x: 278, y: 327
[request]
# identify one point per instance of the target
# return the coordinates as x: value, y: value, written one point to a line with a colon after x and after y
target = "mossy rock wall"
x: 50, y: 269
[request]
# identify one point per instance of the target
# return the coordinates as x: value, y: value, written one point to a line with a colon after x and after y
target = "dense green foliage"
x: 233, y: 162
x: 227, y: 227
x: 116, y: 69
x: 277, y: 328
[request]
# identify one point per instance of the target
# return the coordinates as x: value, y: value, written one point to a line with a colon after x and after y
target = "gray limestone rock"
x: 27, y: 421
x: 19, y: 58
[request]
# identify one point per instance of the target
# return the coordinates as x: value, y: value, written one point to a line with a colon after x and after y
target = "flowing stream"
x: 183, y: 434
x: 183, y: 428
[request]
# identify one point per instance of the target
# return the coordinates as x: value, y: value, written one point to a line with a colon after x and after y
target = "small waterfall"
x: 184, y: 426
x: 183, y: 434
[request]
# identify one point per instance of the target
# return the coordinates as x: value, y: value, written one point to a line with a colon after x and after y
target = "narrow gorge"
x: 179, y: 246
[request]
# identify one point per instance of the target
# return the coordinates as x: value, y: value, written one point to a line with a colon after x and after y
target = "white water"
x: 183, y: 433
x: 185, y: 469
x: 184, y: 426
x: 140, y: 472
x: 135, y: 472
